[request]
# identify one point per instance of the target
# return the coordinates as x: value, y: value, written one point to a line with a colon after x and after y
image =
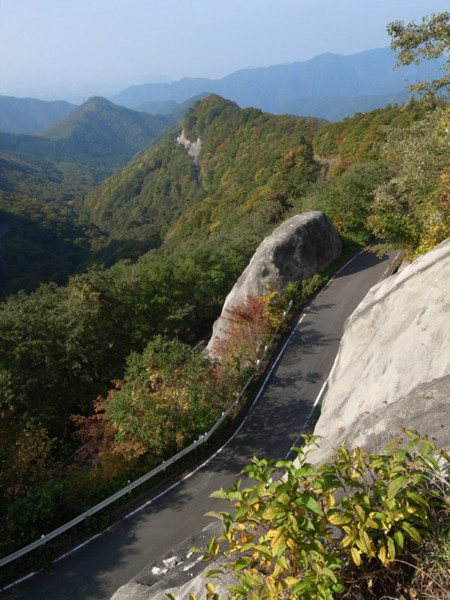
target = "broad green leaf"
x: 264, y: 550
x: 241, y: 512
x: 281, y: 560
x: 237, y: 589
x: 417, y: 498
x: 399, y: 539
x: 391, y: 548
x: 396, y: 485
x: 308, y: 502
x: 328, y: 573
x: 213, y: 573
x: 247, y: 547
x: 219, y: 494
x: 412, y: 532
x: 242, y: 563
x: 217, y: 515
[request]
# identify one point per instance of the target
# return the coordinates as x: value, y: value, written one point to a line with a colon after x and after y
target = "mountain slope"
x: 250, y: 167
x: 98, y: 129
x: 270, y: 88
x: 78, y: 151
x: 28, y: 115
x: 336, y: 108
x: 41, y: 176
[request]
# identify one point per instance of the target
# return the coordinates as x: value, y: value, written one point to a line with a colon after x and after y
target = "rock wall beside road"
x: 393, y: 365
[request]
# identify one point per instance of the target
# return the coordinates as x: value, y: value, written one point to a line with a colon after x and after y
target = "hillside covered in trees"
x: 41, y: 177
x: 106, y: 360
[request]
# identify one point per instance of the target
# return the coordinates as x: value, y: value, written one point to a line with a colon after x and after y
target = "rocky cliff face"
x: 393, y: 365
x: 302, y: 246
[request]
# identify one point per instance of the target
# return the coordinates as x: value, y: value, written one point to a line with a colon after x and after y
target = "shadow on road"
x: 356, y: 266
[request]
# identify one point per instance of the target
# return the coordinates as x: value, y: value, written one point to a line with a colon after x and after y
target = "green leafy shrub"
x: 293, y: 537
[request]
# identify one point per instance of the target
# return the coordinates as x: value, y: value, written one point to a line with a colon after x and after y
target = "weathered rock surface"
x: 393, y: 365
x: 179, y: 572
x: 192, y: 148
x: 302, y: 246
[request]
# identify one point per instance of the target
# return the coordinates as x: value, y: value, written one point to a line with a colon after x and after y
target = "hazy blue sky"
x: 49, y: 47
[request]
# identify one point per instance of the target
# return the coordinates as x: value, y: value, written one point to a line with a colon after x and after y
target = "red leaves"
x: 249, y: 327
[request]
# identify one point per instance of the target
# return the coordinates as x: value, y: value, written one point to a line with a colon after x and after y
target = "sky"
x: 73, y: 49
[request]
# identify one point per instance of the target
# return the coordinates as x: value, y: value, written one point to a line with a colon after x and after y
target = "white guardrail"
x: 95, y: 509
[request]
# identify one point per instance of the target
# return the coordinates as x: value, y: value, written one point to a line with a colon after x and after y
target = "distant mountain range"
x: 79, y: 150
x: 98, y: 131
x: 28, y: 115
x: 356, y: 83
x: 330, y: 86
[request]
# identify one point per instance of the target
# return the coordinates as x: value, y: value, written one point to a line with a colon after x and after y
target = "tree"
x: 429, y: 40
x: 413, y: 207
x: 169, y: 396
x: 249, y: 326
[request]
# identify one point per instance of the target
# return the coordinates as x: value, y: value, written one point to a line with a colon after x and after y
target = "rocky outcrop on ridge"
x: 302, y: 246
x: 393, y: 365
x: 192, y: 148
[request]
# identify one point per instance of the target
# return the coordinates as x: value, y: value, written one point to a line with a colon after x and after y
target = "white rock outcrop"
x: 395, y: 349
x: 302, y: 246
x: 192, y: 148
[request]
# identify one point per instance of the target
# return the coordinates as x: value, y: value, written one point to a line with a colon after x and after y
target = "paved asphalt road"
x: 98, y: 569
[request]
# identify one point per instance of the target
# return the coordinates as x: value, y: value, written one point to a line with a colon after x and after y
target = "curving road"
x: 281, y: 413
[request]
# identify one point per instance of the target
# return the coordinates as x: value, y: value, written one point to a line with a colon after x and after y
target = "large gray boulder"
x: 299, y: 248
x: 393, y: 366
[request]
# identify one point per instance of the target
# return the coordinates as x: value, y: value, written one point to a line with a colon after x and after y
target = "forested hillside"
x: 43, y: 179
x: 28, y: 115
x: 42, y: 176
x: 107, y: 360
x: 251, y: 167
x: 96, y: 133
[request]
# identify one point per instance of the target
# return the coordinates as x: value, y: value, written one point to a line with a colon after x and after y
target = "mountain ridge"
x: 269, y: 88
x: 97, y: 132
x: 30, y: 115
x: 361, y: 81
